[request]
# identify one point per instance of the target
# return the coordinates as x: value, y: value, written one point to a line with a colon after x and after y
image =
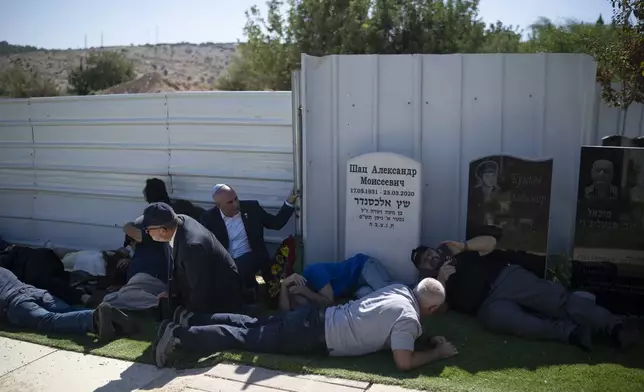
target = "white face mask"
x: 156, y: 238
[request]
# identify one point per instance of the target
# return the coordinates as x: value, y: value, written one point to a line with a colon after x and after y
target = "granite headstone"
x: 510, y: 196
x: 383, y: 211
x: 610, y: 205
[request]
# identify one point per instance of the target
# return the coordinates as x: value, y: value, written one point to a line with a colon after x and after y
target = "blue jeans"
x: 37, y: 309
x: 299, y: 331
x: 372, y: 278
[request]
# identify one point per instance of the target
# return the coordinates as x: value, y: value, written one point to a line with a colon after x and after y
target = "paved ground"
x: 30, y: 367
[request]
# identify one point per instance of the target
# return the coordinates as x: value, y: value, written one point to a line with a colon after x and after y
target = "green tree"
x: 570, y: 37
x: 20, y: 82
x: 620, y: 60
x: 6, y: 48
x: 274, y: 44
x: 501, y: 39
x: 100, y: 71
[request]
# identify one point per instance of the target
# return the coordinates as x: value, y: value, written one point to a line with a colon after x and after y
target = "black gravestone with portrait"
x: 609, y: 226
x: 610, y: 205
x: 509, y: 197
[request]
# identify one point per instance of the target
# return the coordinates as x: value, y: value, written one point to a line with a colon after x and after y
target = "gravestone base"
x: 620, y: 291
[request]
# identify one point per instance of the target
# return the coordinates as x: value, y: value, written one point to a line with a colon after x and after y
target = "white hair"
x: 429, y: 292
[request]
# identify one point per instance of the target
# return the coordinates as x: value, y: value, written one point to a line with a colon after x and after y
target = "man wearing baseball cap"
x: 202, y: 276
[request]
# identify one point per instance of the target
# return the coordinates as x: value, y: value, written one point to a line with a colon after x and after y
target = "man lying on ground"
x: 385, y: 319
x: 507, y: 298
x: 322, y: 283
x: 26, y: 306
x: 42, y: 268
x: 147, y: 271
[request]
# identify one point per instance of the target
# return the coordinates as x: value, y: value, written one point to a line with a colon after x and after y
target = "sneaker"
x: 182, y: 316
x: 164, y: 343
x: 103, y: 323
x: 123, y: 323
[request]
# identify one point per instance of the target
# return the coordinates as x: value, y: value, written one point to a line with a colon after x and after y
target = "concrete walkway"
x: 30, y: 367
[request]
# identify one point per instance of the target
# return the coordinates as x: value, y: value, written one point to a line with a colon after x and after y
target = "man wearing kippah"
x: 239, y: 226
x: 202, y: 276
x: 498, y: 287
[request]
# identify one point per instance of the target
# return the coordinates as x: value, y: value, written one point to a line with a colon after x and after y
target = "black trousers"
x: 248, y: 264
x: 299, y: 331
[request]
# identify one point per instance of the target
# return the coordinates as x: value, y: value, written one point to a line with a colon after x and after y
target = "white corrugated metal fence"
x: 72, y: 169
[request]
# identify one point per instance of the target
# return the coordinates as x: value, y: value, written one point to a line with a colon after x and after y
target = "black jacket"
x: 255, y: 218
x: 205, y: 277
x: 41, y: 268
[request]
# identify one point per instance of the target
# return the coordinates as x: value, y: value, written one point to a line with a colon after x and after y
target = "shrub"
x: 18, y: 82
x: 100, y: 71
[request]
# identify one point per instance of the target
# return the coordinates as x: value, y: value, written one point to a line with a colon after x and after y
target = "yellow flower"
x: 279, y: 259
x: 276, y: 269
x: 284, y: 251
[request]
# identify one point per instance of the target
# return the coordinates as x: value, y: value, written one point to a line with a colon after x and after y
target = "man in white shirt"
x: 388, y: 318
x: 239, y: 227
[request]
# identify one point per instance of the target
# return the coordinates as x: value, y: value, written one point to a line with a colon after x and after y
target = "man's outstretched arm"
x: 483, y: 244
x: 409, y: 359
x: 277, y: 222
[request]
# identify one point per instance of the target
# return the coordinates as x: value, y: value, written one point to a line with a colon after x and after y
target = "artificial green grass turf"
x: 486, y: 362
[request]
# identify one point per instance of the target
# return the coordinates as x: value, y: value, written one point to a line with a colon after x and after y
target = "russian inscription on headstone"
x: 383, y: 211
x: 511, y: 195
x: 610, y: 206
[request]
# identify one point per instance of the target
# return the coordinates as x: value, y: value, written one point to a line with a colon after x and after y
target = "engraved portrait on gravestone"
x: 610, y: 206
x: 509, y: 197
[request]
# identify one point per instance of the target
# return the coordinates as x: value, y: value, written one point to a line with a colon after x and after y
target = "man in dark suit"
x: 239, y: 226
x: 202, y: 275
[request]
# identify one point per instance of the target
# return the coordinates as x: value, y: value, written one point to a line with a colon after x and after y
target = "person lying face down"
x: 322, y: 283
x: 26, y: 306
x: 509, y: 299
x: 388, y: 318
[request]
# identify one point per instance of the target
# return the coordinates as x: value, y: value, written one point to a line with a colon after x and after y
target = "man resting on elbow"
x: 388, y: 318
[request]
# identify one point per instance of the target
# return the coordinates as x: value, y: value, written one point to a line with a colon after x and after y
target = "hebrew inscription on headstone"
x: 383, y: 211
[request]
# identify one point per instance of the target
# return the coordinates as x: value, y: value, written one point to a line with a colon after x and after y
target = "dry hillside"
x: 182, y: 66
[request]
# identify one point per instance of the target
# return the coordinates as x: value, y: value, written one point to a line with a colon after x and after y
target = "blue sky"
x: 64, y: 23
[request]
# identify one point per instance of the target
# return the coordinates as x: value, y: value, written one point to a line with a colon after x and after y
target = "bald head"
x: 430, y: 295
x: 225, y: 199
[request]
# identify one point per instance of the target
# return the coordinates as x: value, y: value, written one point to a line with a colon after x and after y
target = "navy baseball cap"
x: 158, y: 214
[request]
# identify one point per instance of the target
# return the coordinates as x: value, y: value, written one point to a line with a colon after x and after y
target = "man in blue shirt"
x: 149, y: 255
x: 322, y: 283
